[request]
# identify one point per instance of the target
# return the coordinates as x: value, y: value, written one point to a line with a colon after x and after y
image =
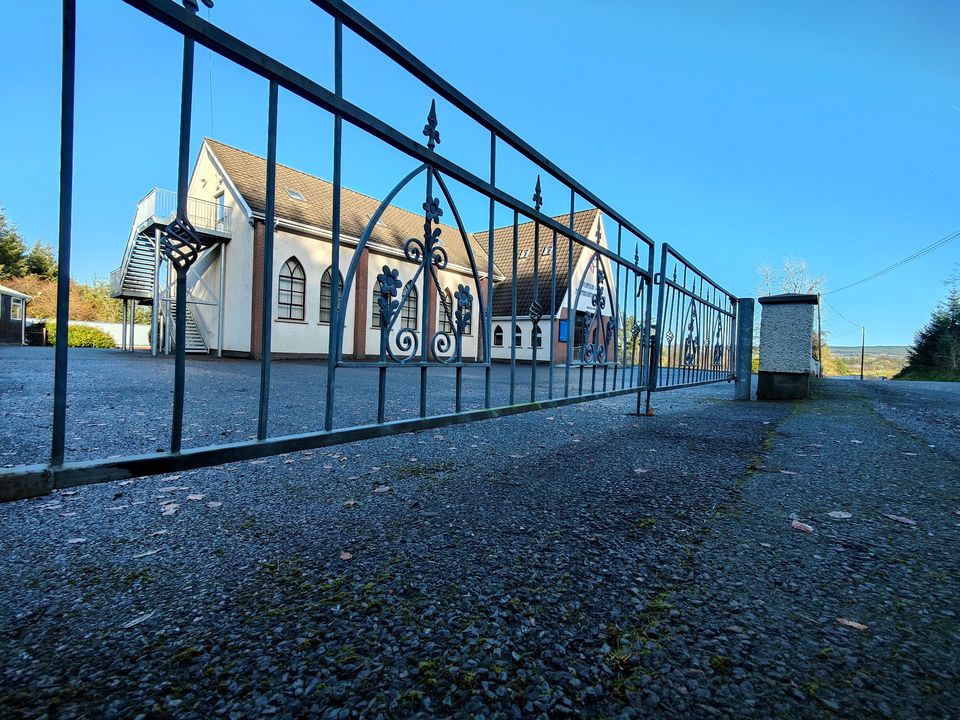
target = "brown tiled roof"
x: 248, y: 173
x: 503, y: 259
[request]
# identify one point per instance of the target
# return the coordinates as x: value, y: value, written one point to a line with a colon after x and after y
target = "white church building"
x: 227, y: 204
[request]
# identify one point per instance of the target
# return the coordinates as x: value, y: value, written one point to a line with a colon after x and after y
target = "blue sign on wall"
x: 563, y: 331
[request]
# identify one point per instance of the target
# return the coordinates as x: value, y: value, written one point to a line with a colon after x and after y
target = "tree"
x: 792, y: 277
x: 937, y: 344
x: 12, y: 250
x: 41, y: 261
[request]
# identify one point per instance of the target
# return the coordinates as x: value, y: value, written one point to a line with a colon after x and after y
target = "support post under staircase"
x: 155, y: 310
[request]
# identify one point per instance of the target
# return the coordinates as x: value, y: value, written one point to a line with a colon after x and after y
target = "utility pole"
x: 863, y: 336
x: 819, y: 335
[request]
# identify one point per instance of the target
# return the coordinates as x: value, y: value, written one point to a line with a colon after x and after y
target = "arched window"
x: 517, y: 336
x: 498, y: 336
x: 326, y: 293
x: 537, y: 336
x: 291, y: 291
x: 408, y: 313
x: 445, y: 312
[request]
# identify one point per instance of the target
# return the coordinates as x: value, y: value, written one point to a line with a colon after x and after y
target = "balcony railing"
x: 161, y: 206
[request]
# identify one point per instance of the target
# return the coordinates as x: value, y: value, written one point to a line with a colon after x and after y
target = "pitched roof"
x: 248, y: 173
x: 527, y: 259
x: 4, y: 290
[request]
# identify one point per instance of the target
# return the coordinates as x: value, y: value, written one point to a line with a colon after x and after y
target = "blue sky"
x: 740, y: 132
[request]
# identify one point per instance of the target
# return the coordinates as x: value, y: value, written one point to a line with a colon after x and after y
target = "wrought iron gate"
x: 563, y: 279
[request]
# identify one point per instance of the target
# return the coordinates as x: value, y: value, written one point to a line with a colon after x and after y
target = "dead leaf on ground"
x: 900, y: 519
x: 909, y: 454
x: 75, y: 541
x: 69, y: 514
x: 139, y: 619
x: 856, y: 442
x: 766, y: 545
x: 196, y: 497
x: 641, y: 471
x: 214, y: 504
x: 839, y: 514
x: 147, y: 553
x: 801, y: 526
x: 169, y: 509
x: 788, y: 472
x: 382, y: 489
x: 168, y: 489
x: 346, y: 556
x: 155, y: 533
x: 851, y: 624
x: 350, y: 503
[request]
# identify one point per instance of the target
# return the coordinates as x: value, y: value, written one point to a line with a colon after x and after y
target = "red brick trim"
x: 361, y: 299
x: 256, y: 296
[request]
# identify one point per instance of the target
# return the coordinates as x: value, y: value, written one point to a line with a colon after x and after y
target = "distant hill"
x: 845, y: 351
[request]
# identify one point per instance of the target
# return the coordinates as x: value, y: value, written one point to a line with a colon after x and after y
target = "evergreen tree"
x: 937, y: 344
x: 12, y: 250
x: 40, y: 261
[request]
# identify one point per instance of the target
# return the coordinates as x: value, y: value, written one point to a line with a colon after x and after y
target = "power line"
x: 856, y: 325
x: 900, y: 263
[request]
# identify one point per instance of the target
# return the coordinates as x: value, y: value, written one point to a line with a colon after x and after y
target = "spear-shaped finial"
x: 537, y: 197
x: 430, y: 129
x: 193, y: 7
x: 636, y: 254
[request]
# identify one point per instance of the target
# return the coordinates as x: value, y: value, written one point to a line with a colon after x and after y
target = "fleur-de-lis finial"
x: 193, y: 7
x: 537, y: 197
x: 430, y: 129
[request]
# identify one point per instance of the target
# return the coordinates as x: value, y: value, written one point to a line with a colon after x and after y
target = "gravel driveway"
x: 574, y: 561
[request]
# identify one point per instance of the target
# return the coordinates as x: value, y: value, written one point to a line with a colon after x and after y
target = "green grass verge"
x: 928, y: 373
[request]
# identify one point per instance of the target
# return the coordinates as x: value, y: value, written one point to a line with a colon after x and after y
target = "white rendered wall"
x: 786, y: 337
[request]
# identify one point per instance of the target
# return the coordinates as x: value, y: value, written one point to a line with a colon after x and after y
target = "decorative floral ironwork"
x: 593, y: 350
x: 464, y: 308
x: 432, y: 210
x: 718, y: 345
x: 691, y: 341
x: 430, y: 129
x: 180, y: 244
x: 536, y: 312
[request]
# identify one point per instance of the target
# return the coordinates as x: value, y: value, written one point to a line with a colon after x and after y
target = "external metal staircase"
x: 195, y: 342
x: 139, y: 279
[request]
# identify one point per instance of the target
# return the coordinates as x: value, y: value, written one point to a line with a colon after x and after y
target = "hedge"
x: 82, y: 336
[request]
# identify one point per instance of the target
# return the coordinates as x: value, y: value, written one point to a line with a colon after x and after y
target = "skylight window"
x: 547, y: 250
x: 295, y: 194
x: 523, y: 255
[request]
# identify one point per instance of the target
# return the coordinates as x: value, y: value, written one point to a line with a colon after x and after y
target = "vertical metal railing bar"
x: 426, y: 259
x: 183, y: 180
x: 534, y: 311
x: 553, y: 312
x: 571, y: 309
x: 488, y: 320
x: 513, y: 311
x: 67, y: 94
x: 335, y: 339
x: 653, y: 371
x: 630, y: 338
x: 268, y: 236
x: 616, y: 299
